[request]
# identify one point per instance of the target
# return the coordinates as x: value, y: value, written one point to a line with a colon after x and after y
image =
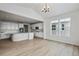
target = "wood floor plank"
x: 37, y: 47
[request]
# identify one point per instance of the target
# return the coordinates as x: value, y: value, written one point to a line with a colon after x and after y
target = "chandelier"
x: 45, y: 8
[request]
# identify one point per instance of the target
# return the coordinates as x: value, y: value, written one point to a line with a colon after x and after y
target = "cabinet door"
x: 21, y: 25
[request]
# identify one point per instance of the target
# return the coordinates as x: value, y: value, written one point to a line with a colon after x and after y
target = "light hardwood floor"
x: 37, y: 47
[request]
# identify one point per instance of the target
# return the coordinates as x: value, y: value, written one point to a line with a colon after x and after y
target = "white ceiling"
x: 5, y: 16
x: 55, y: 8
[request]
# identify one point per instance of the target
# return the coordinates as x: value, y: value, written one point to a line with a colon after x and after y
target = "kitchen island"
x: 22, y: 36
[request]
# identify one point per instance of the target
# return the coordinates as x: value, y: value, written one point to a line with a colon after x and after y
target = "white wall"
x: 74, y: 32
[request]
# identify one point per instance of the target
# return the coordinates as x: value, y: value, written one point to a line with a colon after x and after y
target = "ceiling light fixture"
x: 45, y: 8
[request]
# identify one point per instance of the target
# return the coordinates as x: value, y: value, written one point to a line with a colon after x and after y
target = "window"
x: 55, y: 27
x: 65, y: 27
x: 61, y: 27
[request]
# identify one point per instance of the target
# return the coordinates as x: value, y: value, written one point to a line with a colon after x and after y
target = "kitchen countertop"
x: 13, y: 33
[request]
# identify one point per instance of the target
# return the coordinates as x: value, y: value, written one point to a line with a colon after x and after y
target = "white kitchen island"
x: 22, y: 36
